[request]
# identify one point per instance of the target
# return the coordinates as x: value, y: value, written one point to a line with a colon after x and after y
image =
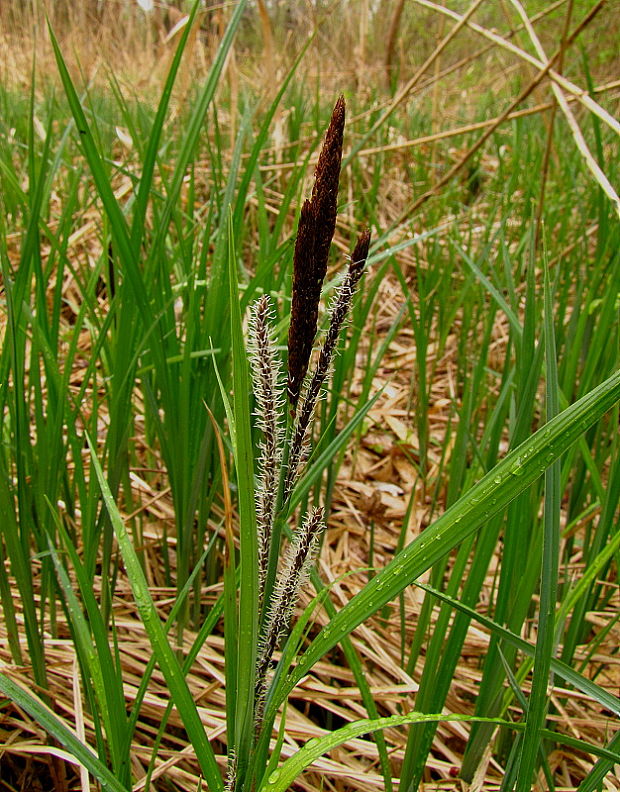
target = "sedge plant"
x: 277, y: 580
x: 284, y: 414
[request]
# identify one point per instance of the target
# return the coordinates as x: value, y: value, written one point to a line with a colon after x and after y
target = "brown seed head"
x: 360, y: 253
x: 304, y: 307
x: 314, y: 235
x: 325, y: 190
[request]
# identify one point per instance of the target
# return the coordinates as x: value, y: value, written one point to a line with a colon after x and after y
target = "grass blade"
x: 164, y: 653
x: 490, y: 495
x: 54, y: 726
x: 281, y: 779
x: 545, y: 649
x: 248, y: 540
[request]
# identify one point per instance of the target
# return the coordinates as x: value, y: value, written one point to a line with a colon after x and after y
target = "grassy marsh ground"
x: 490, y: 305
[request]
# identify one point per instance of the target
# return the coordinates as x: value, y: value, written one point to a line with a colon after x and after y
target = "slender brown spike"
x: 265, y: 375
x: 304, y: 309
x: 338, y: 313
x: 325, y: 190
x: 360, y: 253
x: 314, y: 235
x: 294, y: 571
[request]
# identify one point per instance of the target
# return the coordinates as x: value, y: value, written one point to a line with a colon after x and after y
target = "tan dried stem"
x: 549, y: 142
x: 546, y: 69
x: 582, y: 96
x: 557, y: 88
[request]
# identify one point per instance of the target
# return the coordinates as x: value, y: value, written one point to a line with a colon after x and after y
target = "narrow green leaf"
x: 164, y: 653
x: 561, y: 669
x: 281, y: 779
x: 545, y: 649
x: 148, y: 166
x: 195, y: 124
x: 248, y: 538
x: 594, y: 780
x: 517, y: 471
x: 107, y: 694
x: 104, y: 188
x: 57, y: 729
x: 497, y: 296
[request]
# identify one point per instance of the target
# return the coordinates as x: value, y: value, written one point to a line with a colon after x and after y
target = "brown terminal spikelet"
x: 314, y: 235
x: 338, y: 314
x: 325, y: 189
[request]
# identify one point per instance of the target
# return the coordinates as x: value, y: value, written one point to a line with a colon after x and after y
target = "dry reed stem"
x: 268, y: 44
x: 549, y: 142
x: 449, y: 175
x: 391, y: 38
x: 580, y: 141
x: 411, y: 83
x: 458, y: 166
x: 582, y: 96
x: 443, y: 135
x: 454, y: 67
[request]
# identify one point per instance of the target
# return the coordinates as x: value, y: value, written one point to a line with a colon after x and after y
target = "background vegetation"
x: 133, y: 206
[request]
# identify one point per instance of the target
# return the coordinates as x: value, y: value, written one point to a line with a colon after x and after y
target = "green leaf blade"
x: 517, y: 471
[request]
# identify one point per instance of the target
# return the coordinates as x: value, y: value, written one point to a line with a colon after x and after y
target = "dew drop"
x: 518, y: 468
x: 497, y: 480
x: 273, y: 778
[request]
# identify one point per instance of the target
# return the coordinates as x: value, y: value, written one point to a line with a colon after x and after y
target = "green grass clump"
x: 152, y: 473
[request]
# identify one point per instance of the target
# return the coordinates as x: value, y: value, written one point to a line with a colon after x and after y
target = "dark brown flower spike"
x: 283, y: 455
x: 325, y: 189
x: 314, y: 235
x: 338, y: 314
x: 304, y: 309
